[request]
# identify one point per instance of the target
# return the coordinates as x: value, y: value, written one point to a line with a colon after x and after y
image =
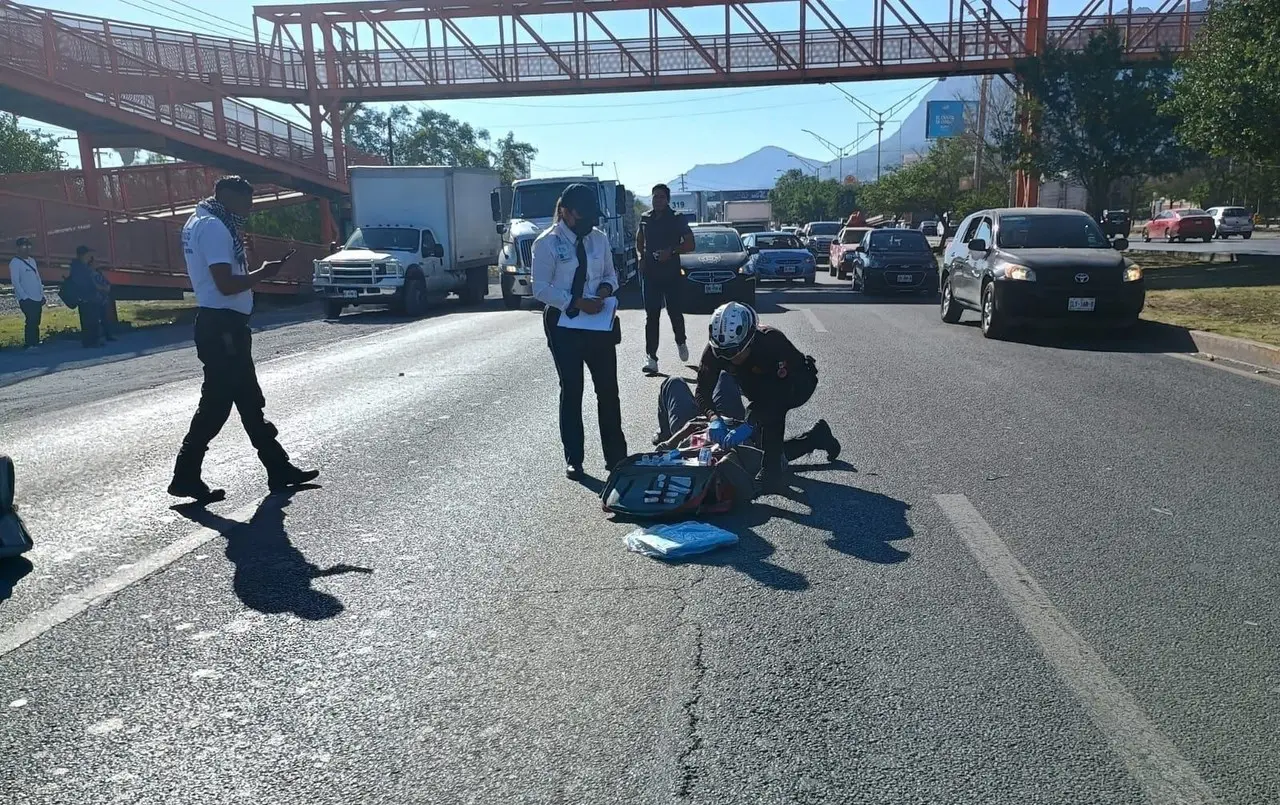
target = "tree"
x: 512, y: 158
x: 293, y: 222
x: 1227, y: 92
x: 800, y: 197
x: 940, y: 181
x: 1097, y: 119
x: 23, y: 151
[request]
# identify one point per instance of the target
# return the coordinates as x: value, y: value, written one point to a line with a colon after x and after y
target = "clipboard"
x: 599, y: 322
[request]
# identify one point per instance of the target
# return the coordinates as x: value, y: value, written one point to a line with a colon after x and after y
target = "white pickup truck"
x: 421, y: 234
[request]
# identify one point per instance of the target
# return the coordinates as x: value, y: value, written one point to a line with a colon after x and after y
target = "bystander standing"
x: 28, y: 289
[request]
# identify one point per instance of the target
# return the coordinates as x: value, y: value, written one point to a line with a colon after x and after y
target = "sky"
x: 641, y: 137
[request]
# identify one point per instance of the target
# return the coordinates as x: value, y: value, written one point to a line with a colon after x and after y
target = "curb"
x: 1240, y: 350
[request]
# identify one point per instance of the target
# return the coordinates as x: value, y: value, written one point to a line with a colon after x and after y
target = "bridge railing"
x: 136, y: 251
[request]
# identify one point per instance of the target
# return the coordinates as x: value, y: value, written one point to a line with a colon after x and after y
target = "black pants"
x: 677, y: 406
x: 32, y: 311
x: 572, y: 350
x: 224, y: 346
x: 661, y: 287
x: 91, y: 323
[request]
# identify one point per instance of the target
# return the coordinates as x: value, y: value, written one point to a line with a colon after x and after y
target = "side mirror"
x: 1120, y: 244
x: 753, y: 250
x: 495, y: 207
x: 438, y: 251
x: 978, y: 245
x: 502, y: 228
x: 860, y: 249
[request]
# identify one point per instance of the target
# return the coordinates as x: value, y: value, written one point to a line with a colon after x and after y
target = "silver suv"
x: 1230, y: 221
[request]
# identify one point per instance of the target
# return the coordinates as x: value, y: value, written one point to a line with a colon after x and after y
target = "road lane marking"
x: 68, y: 607
x: 813, y: 319
x: 1164, y: 775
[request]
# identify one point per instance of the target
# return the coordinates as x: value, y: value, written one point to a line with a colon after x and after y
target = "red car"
x: 1181, y: 225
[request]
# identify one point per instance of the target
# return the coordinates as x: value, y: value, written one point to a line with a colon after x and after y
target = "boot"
x: 288, y: 477
x: 186, y: 481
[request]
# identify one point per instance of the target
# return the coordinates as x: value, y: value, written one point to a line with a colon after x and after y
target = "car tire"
x: 1146, y: 236
x: 948, y: 307
x: 415, y: 297
x: 1169, y: 237
x: 1209, y: 238
x: 1245, y: 235
x: 333, y: 308
x: 993, y: 325
x: 811, y: 280
x: 831, y: 270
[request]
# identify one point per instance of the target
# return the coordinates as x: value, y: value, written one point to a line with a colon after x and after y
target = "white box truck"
x: 748, y: 216
x: 421, y: 234
x: 529, y: 207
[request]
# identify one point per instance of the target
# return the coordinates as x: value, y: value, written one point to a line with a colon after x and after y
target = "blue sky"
x: 644, y: 137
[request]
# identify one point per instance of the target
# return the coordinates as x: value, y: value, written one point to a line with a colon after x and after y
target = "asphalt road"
x: 1046, y: 574
x: 1262, y: 243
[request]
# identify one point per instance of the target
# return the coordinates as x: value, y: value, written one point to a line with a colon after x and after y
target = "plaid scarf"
x: 233, y: 223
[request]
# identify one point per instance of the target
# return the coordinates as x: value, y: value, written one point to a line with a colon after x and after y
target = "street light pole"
x: 837, y: 151
x: 879, y: 117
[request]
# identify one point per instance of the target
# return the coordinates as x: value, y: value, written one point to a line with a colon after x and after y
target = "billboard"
x: 947, y: 118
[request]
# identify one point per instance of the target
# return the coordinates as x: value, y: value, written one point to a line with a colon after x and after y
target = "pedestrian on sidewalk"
x: 28, y: 289
x: 664, y: 235
x: 90, y: 303
x: 222, y: 282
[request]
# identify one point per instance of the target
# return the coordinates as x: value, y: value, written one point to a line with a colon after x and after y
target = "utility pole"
x: 682, y: 183
x: 391, y: 144
x: 840, y: 152
x: 879, y: 118
x: 592, y: 166
x: 981, y: 132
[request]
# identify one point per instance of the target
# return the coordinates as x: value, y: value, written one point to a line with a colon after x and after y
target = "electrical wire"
x: 232, y: 23
x: 163, y: 14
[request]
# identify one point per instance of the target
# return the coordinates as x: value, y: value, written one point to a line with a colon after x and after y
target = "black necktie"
x: 579, y: 276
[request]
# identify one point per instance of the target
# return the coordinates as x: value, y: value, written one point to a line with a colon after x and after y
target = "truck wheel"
x: 477, y: 286
x: 511, y: 301
x: 415, y: 297
x: 6, y: 485
x: 333, y: 308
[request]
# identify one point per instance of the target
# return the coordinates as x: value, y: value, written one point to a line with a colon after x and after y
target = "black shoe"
x: 610, y: 466
x: 197, y: 490
x: 290, y: 477
x: 826, y: 440
x: 573, y: 471
x: 768, y: 482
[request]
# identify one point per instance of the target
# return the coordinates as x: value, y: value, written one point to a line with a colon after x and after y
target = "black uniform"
x: 661, y: 280
x: 775, y: 377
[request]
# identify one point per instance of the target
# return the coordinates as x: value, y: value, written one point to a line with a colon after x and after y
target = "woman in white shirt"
x: 573, y: 274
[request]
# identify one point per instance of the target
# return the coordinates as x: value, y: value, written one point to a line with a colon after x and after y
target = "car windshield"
x: 716, y: 242
x: 537, y: 200
x: 824, y: 229
x: 383, y: 239
x: 852, y: 236
x: 1050, y: 232
x: 899, y: 240
x: 777, y: 242
x: 1185, y: 213
x: 1235, y: 212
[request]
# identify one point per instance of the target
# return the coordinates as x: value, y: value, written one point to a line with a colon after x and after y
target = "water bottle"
x: 704, y: 457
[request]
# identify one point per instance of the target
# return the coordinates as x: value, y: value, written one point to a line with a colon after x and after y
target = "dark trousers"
x: 661, y: 287
x: 32, y: 311
x: 677, y: 407
x: 224, y: 346
x: 91, y: 323
x: 572, y: 350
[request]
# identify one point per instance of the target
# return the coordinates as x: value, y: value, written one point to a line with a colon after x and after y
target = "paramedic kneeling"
x: 573, y: 274
x: 222, y: 282
x: 772, y: 374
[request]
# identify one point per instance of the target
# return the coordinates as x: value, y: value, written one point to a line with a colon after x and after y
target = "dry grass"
x: 60, y: 321
x: 1237, y: 299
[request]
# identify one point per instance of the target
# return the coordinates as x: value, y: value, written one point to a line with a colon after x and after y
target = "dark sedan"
x: 895, y: 261
x: 716, y: 271
x: 1039, y: 266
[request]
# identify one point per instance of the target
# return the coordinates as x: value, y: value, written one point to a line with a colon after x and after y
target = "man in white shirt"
x: 223, y: 283
x: 28, y: 289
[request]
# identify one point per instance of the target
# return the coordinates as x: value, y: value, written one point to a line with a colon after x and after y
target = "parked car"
x: 1115, y: 223
x: 717, y: 270
x: 779, y: 256
x: 895, y: 261
x: 930, y: 229
x: 817, y: 238
x: 1230, y: 221
x: 1180, y: 225
x: 1042, y: 266
x: 790, y: 230
x: 840, y: 258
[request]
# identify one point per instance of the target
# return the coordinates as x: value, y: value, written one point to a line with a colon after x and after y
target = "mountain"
x: 757, y: 170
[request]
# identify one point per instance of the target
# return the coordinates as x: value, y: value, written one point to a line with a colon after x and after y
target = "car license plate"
x: 350, y: 294
x: 905, y: 278
x: 788, y: 269
x: 1082, y: 304
x: 713, y: 287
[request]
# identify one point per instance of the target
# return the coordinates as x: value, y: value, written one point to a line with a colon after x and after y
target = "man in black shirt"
x: 773, y: 375
x: 664, y: 235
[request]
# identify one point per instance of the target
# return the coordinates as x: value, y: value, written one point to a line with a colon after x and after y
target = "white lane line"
x: 1275, y: 381
x: 72, y: 605
x: 1164, y: 775
x: 813, y: 319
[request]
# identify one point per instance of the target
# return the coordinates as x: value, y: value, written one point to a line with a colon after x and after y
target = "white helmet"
x: 733, y: 326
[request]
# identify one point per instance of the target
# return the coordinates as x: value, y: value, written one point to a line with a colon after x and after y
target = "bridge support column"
x: 89, y: 168
x: 1026, y: 188
x: 328, y: 227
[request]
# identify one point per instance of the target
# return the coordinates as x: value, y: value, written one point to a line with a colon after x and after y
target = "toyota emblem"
x: 1082, y: 277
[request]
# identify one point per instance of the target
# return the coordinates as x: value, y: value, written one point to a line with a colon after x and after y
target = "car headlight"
x: 747, y: 269
x: 1020, y: 273
x: 1132, y: 273
x: 322, y: 270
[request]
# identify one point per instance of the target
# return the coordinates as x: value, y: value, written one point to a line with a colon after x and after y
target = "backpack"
x: 67, y: 293
x: 650, y: 491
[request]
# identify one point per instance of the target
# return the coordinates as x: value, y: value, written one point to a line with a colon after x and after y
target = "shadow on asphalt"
x: 1146, y: 337
x: 12, y: 571
x: 381, y: 315
x: 271, y: 575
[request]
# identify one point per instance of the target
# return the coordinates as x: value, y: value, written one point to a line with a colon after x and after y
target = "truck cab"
x: 370, y: 268
x: 530, y: 207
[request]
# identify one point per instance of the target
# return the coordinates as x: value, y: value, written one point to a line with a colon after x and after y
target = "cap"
x: 22, y: 242
x: 81, y: 251
x: 581, y: 199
